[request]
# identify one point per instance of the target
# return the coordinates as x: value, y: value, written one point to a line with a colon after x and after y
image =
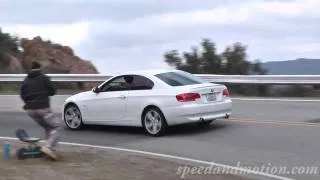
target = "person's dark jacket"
x: 36, y: 90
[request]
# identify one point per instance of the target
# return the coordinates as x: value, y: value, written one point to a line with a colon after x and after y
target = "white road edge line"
x: 281, y: 100
x: 168, y: 156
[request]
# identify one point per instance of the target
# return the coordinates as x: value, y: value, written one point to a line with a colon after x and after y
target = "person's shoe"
x: 48, y: 152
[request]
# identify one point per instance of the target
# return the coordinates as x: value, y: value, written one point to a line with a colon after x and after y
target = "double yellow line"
x: 273, y: 122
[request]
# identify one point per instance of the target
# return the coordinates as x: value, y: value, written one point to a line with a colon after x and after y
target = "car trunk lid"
x: 209, y: 92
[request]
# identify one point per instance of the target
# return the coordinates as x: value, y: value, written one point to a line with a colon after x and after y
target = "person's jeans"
x: 49, y: 122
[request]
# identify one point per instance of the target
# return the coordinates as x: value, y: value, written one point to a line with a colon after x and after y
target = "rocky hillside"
x: 16, y: 55
x: 55, y: 58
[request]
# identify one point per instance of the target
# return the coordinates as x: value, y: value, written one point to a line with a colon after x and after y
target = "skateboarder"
x: 36, y: 90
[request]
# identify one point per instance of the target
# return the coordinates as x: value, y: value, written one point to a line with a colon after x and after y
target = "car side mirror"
x: 95, y: 90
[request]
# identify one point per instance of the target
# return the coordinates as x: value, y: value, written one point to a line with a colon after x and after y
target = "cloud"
x: 65, y: 11
x: 68, y: 34
x: 134, y: 34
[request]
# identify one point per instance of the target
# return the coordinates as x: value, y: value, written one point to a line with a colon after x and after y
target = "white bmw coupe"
x: 151, y: 99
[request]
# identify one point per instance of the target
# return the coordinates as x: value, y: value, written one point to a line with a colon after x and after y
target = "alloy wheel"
x: 72, y: 117
x: 154, y: 122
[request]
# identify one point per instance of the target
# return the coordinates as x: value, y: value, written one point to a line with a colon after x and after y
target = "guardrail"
x: 59, y: 77
x: 263, y: 79
x: 232, y: 79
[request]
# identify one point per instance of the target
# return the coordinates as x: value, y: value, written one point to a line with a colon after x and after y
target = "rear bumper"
x: 198, y: 112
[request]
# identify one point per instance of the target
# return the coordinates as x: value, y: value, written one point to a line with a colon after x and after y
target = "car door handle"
x: 122, y: 97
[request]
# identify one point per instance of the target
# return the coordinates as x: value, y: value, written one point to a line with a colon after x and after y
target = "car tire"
x: 75, y: 121
x: 153, y: 118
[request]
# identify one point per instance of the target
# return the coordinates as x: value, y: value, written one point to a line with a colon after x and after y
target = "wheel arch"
x: 68, y: 104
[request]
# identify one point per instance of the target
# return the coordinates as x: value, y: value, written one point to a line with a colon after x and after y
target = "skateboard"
x: 32, y: 150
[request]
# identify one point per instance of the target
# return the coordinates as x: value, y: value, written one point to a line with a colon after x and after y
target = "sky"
x: 125, y: 35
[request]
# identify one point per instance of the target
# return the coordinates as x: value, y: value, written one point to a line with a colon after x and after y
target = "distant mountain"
x: 302, y: 66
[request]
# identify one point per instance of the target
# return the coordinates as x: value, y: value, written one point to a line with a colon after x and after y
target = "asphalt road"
x: 260, y: 133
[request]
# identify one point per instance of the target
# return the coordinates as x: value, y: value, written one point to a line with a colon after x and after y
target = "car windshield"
x: 179, y: 78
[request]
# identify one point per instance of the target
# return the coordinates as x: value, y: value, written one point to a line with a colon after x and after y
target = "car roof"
x: 149, y: 72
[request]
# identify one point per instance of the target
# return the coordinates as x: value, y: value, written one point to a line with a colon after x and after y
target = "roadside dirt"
x: 88, y: 163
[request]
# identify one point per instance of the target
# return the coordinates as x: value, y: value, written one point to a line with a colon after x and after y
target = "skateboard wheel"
x: 24, y: 153
x: 20, y: 153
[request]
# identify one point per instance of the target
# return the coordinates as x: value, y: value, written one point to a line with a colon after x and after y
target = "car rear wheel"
x: 73, y: 117
x: 154, y: 122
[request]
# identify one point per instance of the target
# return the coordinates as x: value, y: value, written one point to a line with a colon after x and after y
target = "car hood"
x: 78, y: 96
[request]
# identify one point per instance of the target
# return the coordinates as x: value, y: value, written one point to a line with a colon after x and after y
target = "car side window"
x: 141, y: 83
x: 117, y: 84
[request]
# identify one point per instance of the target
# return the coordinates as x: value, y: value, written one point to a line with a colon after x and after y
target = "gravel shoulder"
x: 89, y: 163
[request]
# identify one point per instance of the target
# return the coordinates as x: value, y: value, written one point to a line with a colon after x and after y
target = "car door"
x: 109, y: 102
x: 138, y: 96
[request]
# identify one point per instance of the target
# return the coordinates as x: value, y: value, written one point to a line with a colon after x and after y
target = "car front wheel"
x: 72, y: 117
x: 154, y: 122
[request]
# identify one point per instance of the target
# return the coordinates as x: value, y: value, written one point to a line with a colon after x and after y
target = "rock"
x: 10, y: 64
x: 15, y: 65
x: 54, y: 57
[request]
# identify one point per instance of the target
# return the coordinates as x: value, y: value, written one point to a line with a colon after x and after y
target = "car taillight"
x: 187, y: 97
x: 226, y: 93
